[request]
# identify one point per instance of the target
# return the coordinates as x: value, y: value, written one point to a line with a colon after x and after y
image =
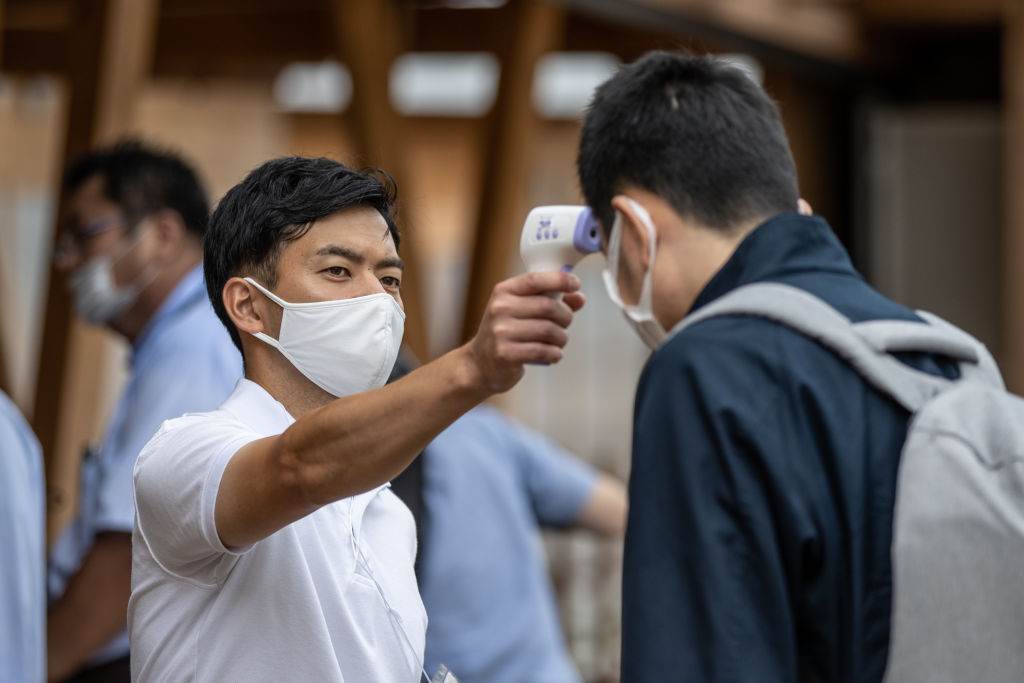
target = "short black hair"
x: 695, y: 130
x: 143, y: 179
x: 279, y: 202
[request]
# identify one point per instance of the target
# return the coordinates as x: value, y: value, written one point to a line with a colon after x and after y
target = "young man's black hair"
x: 694, y: 130
x: 143, y: 179
x: 276, y: 203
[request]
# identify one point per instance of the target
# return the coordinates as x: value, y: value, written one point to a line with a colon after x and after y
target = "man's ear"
x: 171, y: 234
x: 633, y: 228
x: 804, y: 207
x: 240, y: 302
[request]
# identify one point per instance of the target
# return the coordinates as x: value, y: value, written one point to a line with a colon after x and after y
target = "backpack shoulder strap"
x: 868, y: 347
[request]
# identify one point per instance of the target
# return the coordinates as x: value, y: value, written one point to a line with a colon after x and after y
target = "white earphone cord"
x: 396, y: 620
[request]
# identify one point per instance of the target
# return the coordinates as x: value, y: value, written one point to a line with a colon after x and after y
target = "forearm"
x: 356, y: 443
x: 359, y: 442
x: 93, y: 609
x: 347, y: 447
x: 604, y: 512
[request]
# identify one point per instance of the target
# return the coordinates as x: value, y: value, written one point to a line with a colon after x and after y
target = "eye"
x: 337, y: 271
x: 391, y: 282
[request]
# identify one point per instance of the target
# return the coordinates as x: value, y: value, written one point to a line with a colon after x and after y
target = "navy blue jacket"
x: 762, y: 487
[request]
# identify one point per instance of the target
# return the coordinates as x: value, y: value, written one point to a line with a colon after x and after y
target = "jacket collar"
x: 782, y: 247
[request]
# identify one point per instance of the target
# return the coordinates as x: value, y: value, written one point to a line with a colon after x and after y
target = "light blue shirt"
x: 22, y: 539
x: 488, y: 484
x: 184, y: 361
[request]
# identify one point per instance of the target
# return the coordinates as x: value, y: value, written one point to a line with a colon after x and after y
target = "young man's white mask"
x: 640, y: 315
x: 345, y: 346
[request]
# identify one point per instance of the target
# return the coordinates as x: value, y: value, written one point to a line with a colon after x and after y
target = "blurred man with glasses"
x: 131, y: 247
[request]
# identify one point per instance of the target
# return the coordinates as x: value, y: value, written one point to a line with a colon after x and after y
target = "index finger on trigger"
x: 528, y: 284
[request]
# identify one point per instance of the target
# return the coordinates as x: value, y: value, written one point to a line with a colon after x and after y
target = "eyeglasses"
x: 73, y: 241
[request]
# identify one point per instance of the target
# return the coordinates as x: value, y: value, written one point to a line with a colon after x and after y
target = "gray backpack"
x: 958, y: 530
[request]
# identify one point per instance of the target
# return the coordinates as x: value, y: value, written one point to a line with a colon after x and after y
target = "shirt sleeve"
x: 177, y: 383
x: 22, y: 594
x: 177, y: 478
x: 705, y: 588
x: 557, y: 482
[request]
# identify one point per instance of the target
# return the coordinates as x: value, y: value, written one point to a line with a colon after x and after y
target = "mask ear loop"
x: 145, y: 279
x: 611, y: 273
x: 267, y: 293
x: 263, y: 336
x: 647, y: 289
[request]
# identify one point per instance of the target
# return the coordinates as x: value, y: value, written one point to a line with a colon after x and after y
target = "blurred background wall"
x: 904, y: 117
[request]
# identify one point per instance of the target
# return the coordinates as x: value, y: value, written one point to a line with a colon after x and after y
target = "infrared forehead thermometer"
x: 557, y: 237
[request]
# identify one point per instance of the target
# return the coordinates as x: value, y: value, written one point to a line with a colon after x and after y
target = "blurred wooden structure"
x: 104, y: 49
x: 817, y: 51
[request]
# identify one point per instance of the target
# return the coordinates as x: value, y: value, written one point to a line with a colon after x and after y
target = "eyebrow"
x: 357, y: 258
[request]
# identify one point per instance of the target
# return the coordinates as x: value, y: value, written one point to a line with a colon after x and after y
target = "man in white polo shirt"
x: 267, y: 545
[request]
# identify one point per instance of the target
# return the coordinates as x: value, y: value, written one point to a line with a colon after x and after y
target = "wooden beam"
x: 369, y: 36
x: 1013, y: 234
x: 807, y: 30
x: 108, y: 54
x: 932, y: 12
x: 538, y: 28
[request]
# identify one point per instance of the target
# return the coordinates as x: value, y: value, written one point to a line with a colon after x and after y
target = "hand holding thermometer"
x: 557, y: 237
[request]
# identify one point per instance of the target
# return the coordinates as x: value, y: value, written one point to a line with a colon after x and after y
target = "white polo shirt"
x: 295, y: 606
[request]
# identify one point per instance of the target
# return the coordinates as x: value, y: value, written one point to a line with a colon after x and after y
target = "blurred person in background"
x: 132, y: 249
x: 267, y: 545
x: 481, y: 491
x: 764, y: 467
x: 23, y: 539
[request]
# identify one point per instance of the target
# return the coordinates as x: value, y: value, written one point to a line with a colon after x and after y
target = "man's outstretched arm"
x: 358, y: 442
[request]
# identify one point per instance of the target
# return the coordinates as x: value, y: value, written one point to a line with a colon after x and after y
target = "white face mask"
x: 345, y: 346
x: 97, y: 300
x: 640, y: 315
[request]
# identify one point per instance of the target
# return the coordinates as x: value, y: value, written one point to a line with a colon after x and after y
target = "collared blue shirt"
x: 22, y: 538
x: 488, y: 485
x: 763, y: 485
x: 183, y: 361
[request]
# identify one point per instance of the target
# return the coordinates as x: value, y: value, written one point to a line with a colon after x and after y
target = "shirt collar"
x: 257, y: 409
x: 783, y: 246
x: 189, y: 289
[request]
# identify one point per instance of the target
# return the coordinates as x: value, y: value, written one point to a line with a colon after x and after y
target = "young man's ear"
x: 239, y: 299
x: 633, y: 229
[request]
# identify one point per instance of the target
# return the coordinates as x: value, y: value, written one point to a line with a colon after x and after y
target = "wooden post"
x: 1013, y: 245
x: 110, y: 44
x: 537, y: 30
x: 5, y: 385
x: 369, y: 39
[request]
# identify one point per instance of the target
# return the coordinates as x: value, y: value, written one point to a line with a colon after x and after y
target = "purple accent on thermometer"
x: 587, y: 236
x: 567, y: 268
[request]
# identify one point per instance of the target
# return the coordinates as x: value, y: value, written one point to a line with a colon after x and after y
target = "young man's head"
x: 297, y: 231
x: 696, y: 146
x: 133, y: 226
